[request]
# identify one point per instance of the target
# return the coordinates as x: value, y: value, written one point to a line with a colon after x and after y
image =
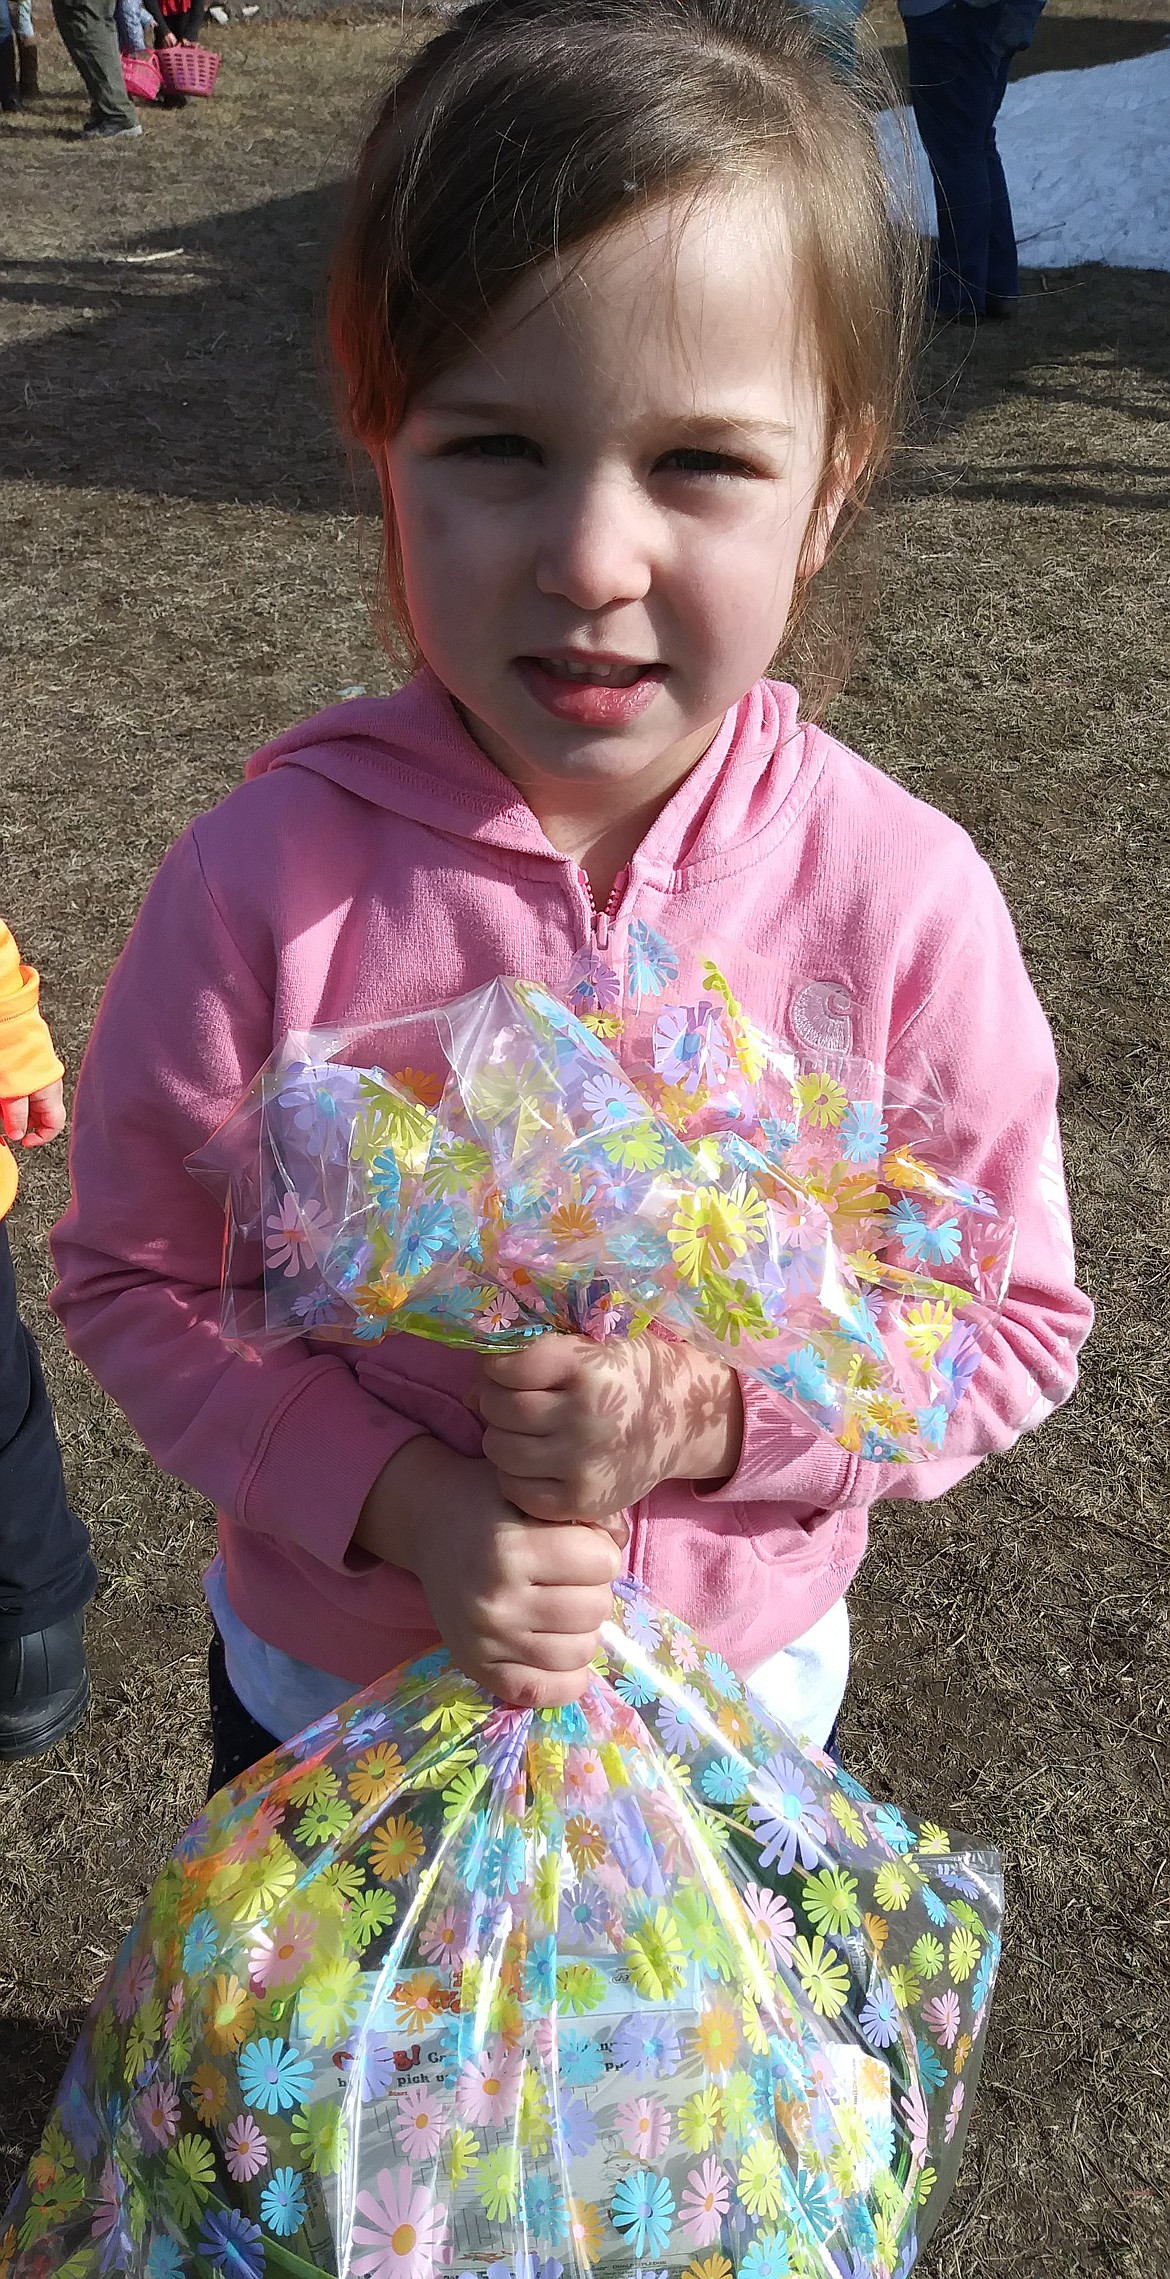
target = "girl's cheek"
x: 469, y: 529
x: 433, y: 527
x: 732, y: 580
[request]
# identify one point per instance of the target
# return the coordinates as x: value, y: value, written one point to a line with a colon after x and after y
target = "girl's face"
x: 603, y: 505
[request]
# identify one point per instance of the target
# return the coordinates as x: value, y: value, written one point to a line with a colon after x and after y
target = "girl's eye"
x: 508, y: 447
x: 688, y: 461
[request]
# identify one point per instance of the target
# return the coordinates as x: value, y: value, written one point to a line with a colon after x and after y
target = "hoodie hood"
x: 411, y: 754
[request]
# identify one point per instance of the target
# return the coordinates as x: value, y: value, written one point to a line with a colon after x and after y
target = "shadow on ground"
x: 188, y: 368
x: 192, y: 369
x: 1090, y: 348
x: 1077, y: 43
x: 33, y: 2056
x: 1065, y: 43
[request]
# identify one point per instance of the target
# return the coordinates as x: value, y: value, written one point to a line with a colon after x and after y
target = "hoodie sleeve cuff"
x: 781, y: 1460
x: 320, y: 1456
x: 27, y: 1059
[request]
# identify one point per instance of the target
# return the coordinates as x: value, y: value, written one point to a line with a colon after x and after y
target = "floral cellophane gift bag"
x: 632, y: 1987
x: 491, y: 1169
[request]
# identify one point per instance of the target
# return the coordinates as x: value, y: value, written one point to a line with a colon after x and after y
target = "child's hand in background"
x: 577, y: 1430
x: 519, y: 1604
x: 36, y: 1119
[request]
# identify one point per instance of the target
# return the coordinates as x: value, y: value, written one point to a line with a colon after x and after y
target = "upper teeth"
x: 612, y: 676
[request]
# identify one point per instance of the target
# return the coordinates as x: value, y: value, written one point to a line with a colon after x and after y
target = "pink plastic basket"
x: 188, y: 70
x: 142, y: 76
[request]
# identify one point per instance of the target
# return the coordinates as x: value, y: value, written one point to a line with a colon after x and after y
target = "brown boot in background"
x: 30, y: 87
x: 9, y: 99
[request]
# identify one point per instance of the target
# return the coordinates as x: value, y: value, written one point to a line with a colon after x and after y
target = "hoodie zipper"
x: 600, y: 920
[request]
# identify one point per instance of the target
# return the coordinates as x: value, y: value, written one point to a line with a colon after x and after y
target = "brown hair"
x: 527, y: 127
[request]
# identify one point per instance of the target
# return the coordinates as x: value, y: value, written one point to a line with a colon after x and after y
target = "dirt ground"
x: 183, y: 576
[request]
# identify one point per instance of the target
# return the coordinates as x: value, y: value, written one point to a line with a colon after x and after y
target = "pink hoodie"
x: 376, y: 863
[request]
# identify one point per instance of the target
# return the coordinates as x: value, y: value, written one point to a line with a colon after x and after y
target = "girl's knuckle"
x: 522, y: 1688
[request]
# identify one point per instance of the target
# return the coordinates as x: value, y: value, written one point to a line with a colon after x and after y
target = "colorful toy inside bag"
x: 492, y: 1169
x: 629, y: 1987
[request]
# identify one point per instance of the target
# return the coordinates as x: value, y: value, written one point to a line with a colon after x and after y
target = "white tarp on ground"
x: 1087, y: 160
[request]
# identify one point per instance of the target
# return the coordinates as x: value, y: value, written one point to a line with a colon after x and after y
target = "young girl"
x: 47, y: 1577
x: 622, y: 322
x: 177, y: 23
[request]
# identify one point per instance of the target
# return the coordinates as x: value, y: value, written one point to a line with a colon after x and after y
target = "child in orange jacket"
x: 46, y: 1574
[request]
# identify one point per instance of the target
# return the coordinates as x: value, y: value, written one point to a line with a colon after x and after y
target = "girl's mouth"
x: 595, y: 692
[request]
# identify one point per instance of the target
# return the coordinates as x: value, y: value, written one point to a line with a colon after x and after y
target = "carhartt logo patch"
x: 820, y: 1016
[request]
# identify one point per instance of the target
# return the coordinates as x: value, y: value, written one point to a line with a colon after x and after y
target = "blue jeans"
x: 131, y: 37
x: 959, y: 59
x: 45, y: 1568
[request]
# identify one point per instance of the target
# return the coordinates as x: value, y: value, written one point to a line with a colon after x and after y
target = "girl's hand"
x: 37, y: 1118
x: 578, y: 1430
x: 519, y: 1604
x: 169, y: 40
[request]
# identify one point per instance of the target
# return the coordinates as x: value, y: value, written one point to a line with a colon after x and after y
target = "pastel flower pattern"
x: 634, y: 1981
x: 647, y: 1151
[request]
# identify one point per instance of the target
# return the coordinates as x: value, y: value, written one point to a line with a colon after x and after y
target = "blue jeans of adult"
x: 959, y: 57
x: 46, y: 1571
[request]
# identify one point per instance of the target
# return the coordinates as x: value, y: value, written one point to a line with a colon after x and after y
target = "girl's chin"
x: 600, y: 759
x: 522, y: 748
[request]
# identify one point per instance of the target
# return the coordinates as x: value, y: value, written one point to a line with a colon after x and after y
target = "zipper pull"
x: 601, y: 928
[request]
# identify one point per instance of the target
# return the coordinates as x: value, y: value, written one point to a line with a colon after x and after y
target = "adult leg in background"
x: 46, y: 1574
x: 26, y: 41
x: 9, y: 98
x: 958, y: 74
x: 1016, y: 25
x: 1003, y: 260
x: 87, y: 29
x: 19, y: 20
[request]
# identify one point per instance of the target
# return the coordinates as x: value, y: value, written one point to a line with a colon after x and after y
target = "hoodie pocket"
x: 726, y: 1566
x: 785, y: 1532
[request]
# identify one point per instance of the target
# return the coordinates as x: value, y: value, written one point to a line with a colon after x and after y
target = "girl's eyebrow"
x: 709, y: 426
x: 700, y: 427
x: 447, y: 407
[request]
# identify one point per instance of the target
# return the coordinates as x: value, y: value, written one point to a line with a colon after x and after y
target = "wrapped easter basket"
x: 487, y: 1170
x: 637, y: 1987
x: 633, y: 1986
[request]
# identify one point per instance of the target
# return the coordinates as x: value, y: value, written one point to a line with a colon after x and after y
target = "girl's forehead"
x: 700, y: 288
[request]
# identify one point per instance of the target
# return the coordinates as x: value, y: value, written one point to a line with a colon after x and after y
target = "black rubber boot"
x: 9, y: 99
x: 44, y: 1688
x: 30, y: 85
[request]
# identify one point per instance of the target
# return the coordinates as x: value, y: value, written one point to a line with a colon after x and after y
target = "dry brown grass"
x: 181, y: 580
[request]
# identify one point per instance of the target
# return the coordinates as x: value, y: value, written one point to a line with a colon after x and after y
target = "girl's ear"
x: 387, y: 603
x: 843, y: 487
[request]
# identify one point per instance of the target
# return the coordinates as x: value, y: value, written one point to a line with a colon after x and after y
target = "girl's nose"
x: 594, y: 547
